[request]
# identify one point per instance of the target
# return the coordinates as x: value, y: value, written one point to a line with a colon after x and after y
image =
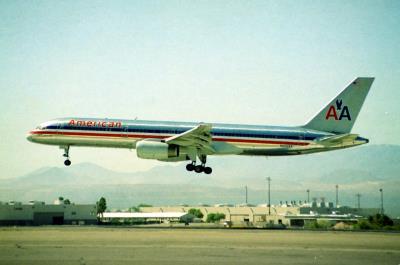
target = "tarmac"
x: 127, y: 245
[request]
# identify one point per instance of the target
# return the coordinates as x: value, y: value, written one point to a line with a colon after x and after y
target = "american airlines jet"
x: 172, y: 141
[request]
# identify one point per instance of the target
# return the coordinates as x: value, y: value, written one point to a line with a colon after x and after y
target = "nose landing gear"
x: 67, y: 162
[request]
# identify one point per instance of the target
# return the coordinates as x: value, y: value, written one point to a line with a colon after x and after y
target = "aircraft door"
x: 59, y: 127
x: 125, y: 131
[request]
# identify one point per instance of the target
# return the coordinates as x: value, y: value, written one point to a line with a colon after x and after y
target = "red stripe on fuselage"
x: 146, y: 136
x: 236, y: 140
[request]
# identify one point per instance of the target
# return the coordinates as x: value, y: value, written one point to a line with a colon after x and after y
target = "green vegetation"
x: 215, y: 217
x: 363, y: 225
x: 380, y: 220
x: 376, y: 222
x: 101, y: 206
x: 64, y: 201
x: 136, y: 209
x: 321, y: 224
x: 144, y: 205
x: 196, y: 212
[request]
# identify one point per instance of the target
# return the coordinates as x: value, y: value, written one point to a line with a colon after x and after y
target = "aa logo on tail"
x: 333, y: 111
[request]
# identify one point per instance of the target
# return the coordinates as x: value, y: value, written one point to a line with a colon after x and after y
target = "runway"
x: 105, y: 245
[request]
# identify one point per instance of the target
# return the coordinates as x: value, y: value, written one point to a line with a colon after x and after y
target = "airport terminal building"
x: 39, y: 213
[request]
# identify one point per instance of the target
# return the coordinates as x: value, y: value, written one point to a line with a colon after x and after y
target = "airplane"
x: 329, y: 129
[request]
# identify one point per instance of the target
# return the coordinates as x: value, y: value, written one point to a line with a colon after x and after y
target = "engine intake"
x: 156, y: 150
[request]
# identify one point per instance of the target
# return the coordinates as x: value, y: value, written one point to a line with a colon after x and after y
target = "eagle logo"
x: 336, y: 109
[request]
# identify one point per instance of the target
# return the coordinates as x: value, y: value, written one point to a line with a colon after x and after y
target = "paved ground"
x: 102, y: 245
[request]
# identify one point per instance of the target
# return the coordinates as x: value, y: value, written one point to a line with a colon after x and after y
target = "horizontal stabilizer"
x: 336, y: 139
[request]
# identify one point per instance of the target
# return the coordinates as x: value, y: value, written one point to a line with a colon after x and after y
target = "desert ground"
x: 127, y: 245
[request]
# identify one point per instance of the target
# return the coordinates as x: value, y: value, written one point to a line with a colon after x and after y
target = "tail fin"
x: 341, y: 113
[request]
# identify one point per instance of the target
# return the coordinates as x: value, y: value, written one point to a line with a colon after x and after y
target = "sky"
x: 252, y: 62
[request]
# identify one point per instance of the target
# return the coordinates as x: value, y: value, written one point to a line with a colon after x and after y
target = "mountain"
x: 358, y: 170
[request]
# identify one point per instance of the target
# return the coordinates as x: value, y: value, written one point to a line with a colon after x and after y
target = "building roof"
x: 143, y: 215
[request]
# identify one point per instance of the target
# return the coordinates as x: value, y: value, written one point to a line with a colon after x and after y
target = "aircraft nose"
x: 29, y: 137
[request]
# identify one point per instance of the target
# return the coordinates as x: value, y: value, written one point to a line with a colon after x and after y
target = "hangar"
x: 39, y: 213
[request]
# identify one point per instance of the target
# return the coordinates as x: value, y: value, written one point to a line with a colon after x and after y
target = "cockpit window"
x: 39, y: 127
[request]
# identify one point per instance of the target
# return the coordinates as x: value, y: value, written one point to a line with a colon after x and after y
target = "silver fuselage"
x: 227, y: 139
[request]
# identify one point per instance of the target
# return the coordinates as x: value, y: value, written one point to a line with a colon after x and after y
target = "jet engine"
x: 148, y: 149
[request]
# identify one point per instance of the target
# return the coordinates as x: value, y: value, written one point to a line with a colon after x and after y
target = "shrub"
x: 363, y: 225
x: 322, y: 224
x: 215, y: 217
x: 376, y: 222
x: 380, y: 220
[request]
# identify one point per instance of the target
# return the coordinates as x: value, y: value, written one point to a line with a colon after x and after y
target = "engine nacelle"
x: 156, y: 150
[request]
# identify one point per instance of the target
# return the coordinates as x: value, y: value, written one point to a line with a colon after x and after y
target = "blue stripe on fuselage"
x: 224, y: 130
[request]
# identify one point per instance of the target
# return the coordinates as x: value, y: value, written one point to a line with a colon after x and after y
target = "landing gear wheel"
x: 190, y: 167
x: 198, y: 169
x: 207, y: 170
x: 67, y: 162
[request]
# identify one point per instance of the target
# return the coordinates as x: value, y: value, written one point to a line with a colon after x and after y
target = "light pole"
x: 381, y: 190
x: 337, y: 195
x: 358, y: 200
x: 269, y: 195
x: 308, y: 196
x: 246, y: 193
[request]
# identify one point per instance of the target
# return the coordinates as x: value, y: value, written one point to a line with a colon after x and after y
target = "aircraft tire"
x: 207, y: 170
x: 67, y: 162
x: 198, y: 169
x: 189, y: 167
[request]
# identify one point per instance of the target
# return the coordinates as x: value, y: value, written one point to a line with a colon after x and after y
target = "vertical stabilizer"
x: 341, y: 113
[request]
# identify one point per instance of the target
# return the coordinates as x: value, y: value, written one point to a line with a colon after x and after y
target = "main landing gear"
x: 67, y: 162
x: 199, y: 168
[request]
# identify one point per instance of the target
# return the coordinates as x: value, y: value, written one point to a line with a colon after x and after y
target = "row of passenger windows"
x: 143, y: 130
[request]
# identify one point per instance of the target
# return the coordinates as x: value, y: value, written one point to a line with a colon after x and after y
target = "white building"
x: 148, y: 217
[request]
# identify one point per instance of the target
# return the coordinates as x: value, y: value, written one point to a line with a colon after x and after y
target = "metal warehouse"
x: 39, y: 213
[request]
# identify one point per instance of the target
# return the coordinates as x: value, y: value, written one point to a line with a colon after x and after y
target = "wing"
x: 199, y: 137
